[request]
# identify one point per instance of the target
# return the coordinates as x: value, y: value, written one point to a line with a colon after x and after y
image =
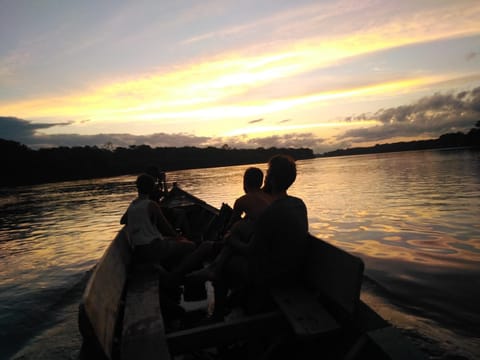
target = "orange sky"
x: 233, y: 73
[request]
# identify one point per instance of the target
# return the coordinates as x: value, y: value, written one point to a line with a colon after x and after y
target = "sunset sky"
x: 318, y: 74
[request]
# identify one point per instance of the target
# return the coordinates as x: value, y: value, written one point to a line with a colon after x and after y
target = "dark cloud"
x: 284, y: 121
x: 255, y: 121
x: 12, y: 128
x: 25, y: 132
x: 429, y: 117
x: 471, y: 55
x: 295, y: 140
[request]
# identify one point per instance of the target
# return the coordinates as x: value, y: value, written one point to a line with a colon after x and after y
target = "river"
x: 413, y: 217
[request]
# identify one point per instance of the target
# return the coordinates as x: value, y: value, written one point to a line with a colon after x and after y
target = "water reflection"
x: 412, y: 217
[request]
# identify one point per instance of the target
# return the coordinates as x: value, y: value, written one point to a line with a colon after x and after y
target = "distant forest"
x: 458, y: 139
x: 24, y: 166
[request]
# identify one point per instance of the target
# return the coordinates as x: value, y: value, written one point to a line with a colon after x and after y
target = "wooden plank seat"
x: 303, y: 305
x: 326, y: 297
x: 307, y: 317
x: 225, y: 332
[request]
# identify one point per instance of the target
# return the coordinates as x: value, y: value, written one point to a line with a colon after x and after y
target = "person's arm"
x: 265, y: 226
x: 238, y: 210
x: 238, y: 245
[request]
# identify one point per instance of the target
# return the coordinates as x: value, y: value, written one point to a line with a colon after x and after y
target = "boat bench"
x: 307, y: 317
x: 327, y: 295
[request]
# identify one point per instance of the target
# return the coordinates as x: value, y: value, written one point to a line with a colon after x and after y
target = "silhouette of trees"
x: 22, y: 165
x: 26, y: 166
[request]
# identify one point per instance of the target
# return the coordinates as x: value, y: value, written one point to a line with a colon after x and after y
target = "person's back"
x: 141, y: 217
x: 283, y: 231
x: 154, y: 240
x: 280, y: 242
x: 140, y: 228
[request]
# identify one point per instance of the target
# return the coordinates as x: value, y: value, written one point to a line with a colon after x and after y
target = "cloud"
x: 292, y: 140
x: 24, y: 132
x: 471, y: 55
x: 119, y: 140
x: 255, y: 121
x: 284, y: 121
x: 16, y: 129
x: 429, y: 117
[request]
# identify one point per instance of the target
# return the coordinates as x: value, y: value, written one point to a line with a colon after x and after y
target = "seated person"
x: 278, y: 247
x: 246, y: 211
x: 160, y: 186
x: 250, y: 205
x: 154, y: 240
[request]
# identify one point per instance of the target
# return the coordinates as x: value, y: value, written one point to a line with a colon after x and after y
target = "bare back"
x: 252, y: 204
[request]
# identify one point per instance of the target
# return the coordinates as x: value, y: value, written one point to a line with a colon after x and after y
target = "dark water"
x: 413, y: 217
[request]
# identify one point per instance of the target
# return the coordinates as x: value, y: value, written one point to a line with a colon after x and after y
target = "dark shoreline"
x: 445, y: 141
x: 24, y: 166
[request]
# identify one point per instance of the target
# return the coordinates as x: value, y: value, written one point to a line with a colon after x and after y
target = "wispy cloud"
x: 428, y: 117
x: 200, y: 88
x: 209, y: 72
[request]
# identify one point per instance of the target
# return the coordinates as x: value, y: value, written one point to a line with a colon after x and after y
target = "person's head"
x: 145, y: 184
x: 281, y: 173
x: 252, y: 178
x: 152, y: 171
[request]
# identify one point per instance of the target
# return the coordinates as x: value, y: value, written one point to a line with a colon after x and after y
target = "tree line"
x: 24, y: 166
x: 451, y: 140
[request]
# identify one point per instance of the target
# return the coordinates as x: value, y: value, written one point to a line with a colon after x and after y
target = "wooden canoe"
x: 120, y: 315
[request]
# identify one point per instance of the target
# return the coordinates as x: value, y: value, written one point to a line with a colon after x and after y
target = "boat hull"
x: 321, y: 311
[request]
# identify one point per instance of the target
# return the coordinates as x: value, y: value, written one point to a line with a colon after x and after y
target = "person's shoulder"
x: 154, y: 205
x: 241, y: 201
x: 294, y: 199
x: 290, y: 201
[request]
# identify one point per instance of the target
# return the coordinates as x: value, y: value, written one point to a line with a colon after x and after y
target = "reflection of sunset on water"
x: 399, y: 214
x: 411, y: 217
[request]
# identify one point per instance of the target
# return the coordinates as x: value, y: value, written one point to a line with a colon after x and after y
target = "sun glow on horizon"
x: 196, y: 78
x: 200, y: 91
x: 273, y: 129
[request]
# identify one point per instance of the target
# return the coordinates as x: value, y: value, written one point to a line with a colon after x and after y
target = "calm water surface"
x: 413, y: 217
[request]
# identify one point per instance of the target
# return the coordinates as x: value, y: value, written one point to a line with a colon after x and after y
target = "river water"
x: 413, y: 217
